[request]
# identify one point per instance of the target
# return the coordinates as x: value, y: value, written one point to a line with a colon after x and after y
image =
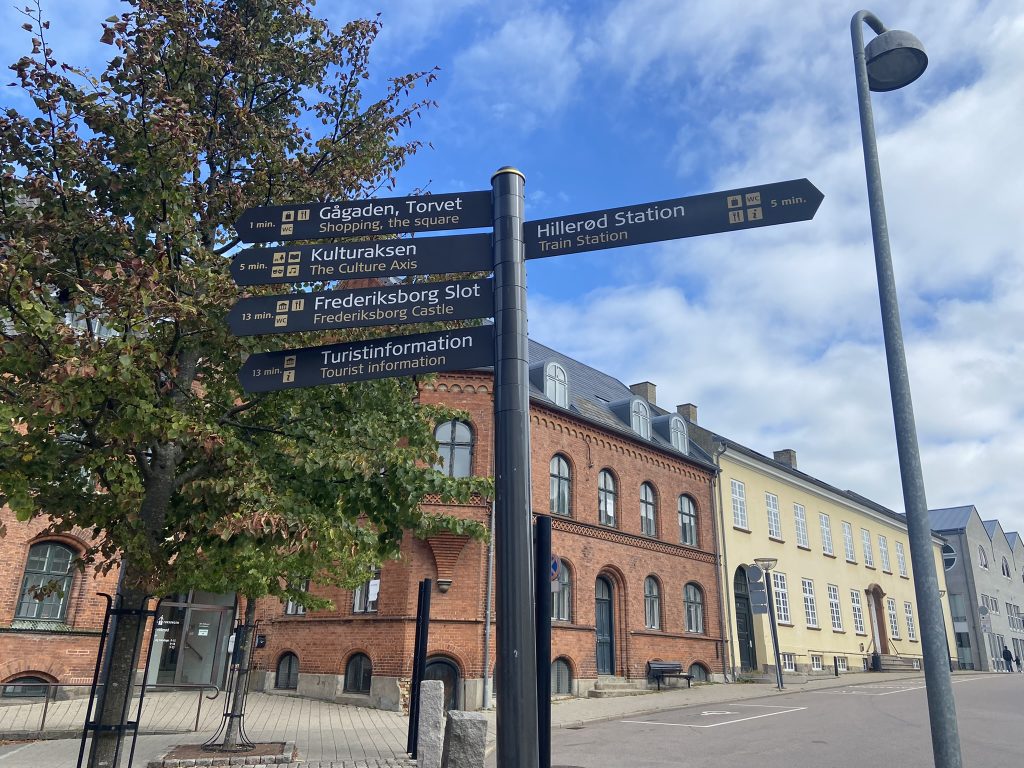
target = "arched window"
x: 687, y: 521
x: 982, y: 557
x: 561, y: 678
x: 556, y: 384
x: 1006, y: 569
x: 647, y: 510
x: 455, y: 447
x: 606, y: 498
x: 358, y: 673
x: 677, y: 431
x: 561, y: 601
x: 693, y: 600
x: 699, y: 672
x: 652, y: 603
x: 26, y: 686
x: 948, y: 556
x: 561, y: 486
x: 640, y: 419
x: 47, y: 572
x: 287, y: 677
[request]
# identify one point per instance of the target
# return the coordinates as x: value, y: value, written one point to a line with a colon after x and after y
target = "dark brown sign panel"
x: 779, y: 203
x: 363, y: 307
x: 362, y: 218
x: 450, y: 350
x: 326, y: 262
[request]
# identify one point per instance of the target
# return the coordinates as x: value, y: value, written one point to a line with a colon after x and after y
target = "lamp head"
x: 894, y: 59
x: 766, y: 563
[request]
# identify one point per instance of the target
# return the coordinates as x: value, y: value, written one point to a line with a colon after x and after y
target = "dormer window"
x: 640, y: 419
x: 556, y: 384
x: 677, y: 431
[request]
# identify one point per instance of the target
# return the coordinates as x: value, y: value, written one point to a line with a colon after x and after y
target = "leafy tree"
x: 120, y: 409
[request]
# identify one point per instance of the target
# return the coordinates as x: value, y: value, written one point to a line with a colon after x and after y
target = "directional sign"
x: 370, y: 258
x: 779, y: 203
x: 382, y: 305
x: 377, y: 216
x: 373, y: 359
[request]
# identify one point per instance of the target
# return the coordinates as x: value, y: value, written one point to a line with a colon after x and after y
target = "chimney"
x: 688, y: 411
x: 786, y: 456
x: 646, y: 390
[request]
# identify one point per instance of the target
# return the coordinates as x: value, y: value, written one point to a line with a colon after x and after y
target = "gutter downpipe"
x: 726, y: 602
x: 488, y: 598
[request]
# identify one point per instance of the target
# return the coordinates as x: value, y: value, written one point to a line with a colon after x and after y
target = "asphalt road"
x: 877, y: 725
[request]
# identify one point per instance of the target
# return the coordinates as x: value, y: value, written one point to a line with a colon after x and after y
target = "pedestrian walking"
x: 1016, y: 660
x: 1008, y: 659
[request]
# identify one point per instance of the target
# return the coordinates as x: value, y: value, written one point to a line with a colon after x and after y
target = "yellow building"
x: 842, y: 582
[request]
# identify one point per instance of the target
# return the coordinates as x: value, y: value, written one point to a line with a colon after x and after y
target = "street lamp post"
x: 766, y: 564
x: 892, y: 60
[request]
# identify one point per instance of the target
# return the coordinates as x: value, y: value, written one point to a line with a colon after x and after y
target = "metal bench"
x: 658, y: 670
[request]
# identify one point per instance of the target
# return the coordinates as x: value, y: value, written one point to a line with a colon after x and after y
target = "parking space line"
x: 784, y: 711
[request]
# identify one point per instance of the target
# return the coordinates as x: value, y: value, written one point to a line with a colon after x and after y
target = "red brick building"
x: 630, y: 502
x: 629, y: 496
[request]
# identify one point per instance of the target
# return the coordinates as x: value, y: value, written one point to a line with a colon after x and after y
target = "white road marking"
x: 785, y: 710
x: 5, y: 755
x: 897, y: 689
x: 714, y: 712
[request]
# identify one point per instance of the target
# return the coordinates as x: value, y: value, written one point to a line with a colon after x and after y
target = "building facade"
x: 842, y: 581
x: 629, y: 497
x: 984, y: 570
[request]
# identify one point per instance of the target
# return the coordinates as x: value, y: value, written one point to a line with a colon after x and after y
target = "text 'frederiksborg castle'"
x: 656, y: 521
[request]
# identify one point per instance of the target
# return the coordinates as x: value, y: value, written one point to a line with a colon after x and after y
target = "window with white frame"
x: 816, y: 665
x: 560, y: 482
x: 826, y: 533
x: 647, y: 509
x: 834, y: 608
x: 982, y: 557
x: 640, y: 419
x: 652, y: 603
x: 800, y: 523
x: 606, y: 498
x: 294, y: 608
x: 739, y: 504
x: 364, y: 597
x: 948, y: 557
x: 894, y: 619
x: 788, y: 662
x: 1005, y: 568
x: 908, y: 611
x: 556, y: 384
x: 858, y: 611
x: 46, y: 583
x: 677, y: 435
x: 781, y: 594
x: 883, y: 554
x: 771, y: 502
x: 901, y: 558
x: 991, y: 603
x: 561, y: 601
x: 842, y: 664
x: 810, y: 605
x: 687, y: 521
x: 455, y: 448
x: 869, y: 555
x: 851, y: 553
x: 693, y: 604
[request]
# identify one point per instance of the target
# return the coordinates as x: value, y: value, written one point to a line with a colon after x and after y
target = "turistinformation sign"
x: 450, y: 350
x: 326, y: 262
x: 383, y: 305
x: 360, y: 218
x: 779, y: 203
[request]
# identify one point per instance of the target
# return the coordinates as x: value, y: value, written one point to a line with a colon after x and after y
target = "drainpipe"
x: 488, y: 597
x: 718, y: 515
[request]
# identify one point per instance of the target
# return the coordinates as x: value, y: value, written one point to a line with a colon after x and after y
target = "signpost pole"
x: 516, y: 673
x: 543, y: 580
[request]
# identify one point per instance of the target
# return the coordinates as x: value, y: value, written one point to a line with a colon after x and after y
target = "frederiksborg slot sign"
x: 779, y: 203
x: 326, y: 262
x: 376, y: 216
x: 360, y: 307
x: 450, y: 350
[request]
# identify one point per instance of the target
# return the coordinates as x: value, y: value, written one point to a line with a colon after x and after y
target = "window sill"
x: 851, y: 562
x: 814, y: 629
x: 838, y: 631
x: 829, y: 554
x: 803, y: 547
x: 870, y: 567
x: 887, y: 572
x: 904, y: 576
x: 741, y: 530
x: 784, y: 623
x: 776, y: 539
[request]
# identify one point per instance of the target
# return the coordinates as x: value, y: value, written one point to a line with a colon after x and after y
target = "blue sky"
x: 773, y: 333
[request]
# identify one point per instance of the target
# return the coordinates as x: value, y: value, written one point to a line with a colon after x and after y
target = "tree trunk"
x: 245, y: 640
x: 117, y: 676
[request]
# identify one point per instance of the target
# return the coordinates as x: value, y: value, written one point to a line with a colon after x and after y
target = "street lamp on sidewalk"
x: 892, y: 60
x: 766, y: 564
